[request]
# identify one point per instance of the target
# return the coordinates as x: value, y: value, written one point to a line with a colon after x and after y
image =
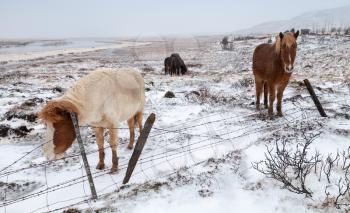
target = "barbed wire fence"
x: 152, y: 159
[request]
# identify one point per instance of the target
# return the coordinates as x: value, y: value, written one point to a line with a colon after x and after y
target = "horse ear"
x: 281, y: 35
x: 296, y: 34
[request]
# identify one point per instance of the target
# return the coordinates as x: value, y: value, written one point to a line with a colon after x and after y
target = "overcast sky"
x: 114, y: 18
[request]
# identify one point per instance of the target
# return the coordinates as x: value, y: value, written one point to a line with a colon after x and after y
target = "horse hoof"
x: 270, y: 114
x: 130, y: 147
x: 280, y: 114
x: 114, y: 169
x: 100, y: 166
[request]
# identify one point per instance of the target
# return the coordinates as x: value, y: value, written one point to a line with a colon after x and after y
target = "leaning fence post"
x: 314, y: 98
x: 83, y: 155
x: 141, y: 141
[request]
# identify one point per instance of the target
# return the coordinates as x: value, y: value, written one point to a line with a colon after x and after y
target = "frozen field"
x: 200, y: 152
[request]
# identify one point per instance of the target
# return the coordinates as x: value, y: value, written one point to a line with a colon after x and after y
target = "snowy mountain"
x: 337, y: 17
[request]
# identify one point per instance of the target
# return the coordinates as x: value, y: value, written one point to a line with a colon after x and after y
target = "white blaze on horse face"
x: 49, y: 146
x: 288, y: 67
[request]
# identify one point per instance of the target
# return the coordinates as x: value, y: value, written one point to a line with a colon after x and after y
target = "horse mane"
x: 53, y: 111
x: 288, y: 38
x: 278, y: 45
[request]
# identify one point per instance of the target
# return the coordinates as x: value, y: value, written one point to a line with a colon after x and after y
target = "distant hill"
x: 337, y: 17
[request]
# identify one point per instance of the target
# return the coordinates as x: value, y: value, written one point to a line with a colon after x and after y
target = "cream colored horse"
x: 102, y: 99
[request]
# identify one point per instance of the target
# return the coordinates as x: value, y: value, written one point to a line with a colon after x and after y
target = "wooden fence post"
x: 83, y: 155
x: 141, y: 141
x: 314, y: 98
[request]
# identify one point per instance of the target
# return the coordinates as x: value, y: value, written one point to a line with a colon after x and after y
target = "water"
x: 33, y: 46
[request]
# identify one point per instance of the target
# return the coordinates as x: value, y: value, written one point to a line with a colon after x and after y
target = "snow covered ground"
x: 200, y: 152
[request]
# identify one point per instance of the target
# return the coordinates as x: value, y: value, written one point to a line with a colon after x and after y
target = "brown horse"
x: 273, y: 65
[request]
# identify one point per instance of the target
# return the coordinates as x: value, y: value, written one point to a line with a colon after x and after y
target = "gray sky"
x: 107, y: 18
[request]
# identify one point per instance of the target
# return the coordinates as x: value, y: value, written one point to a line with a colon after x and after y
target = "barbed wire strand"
x: 76, y: 155
x: 47, y: 193
x: 5, y: 196
x: 83, y: 184
x: 19, y: 159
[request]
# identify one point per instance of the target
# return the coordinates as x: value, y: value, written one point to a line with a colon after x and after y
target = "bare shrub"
x: 336, y: 170
x: 290, y: 167
x: 244, y: 38
x: 293, y: 167
x: 194, y: 65
x: 204, y: 95
x: 147, y: 68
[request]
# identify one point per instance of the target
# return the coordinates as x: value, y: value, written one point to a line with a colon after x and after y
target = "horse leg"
x: 131, y: 124
x: 113, y: 142
x: 266, y: 92
x: 139, y: 120
x: 272, y: 94
x: 258, y: 87
x: 101, y: 152
x: 279, y: 99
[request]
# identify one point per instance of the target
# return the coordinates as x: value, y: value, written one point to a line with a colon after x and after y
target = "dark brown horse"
x: 273, y: 65
x: 175, y: 65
